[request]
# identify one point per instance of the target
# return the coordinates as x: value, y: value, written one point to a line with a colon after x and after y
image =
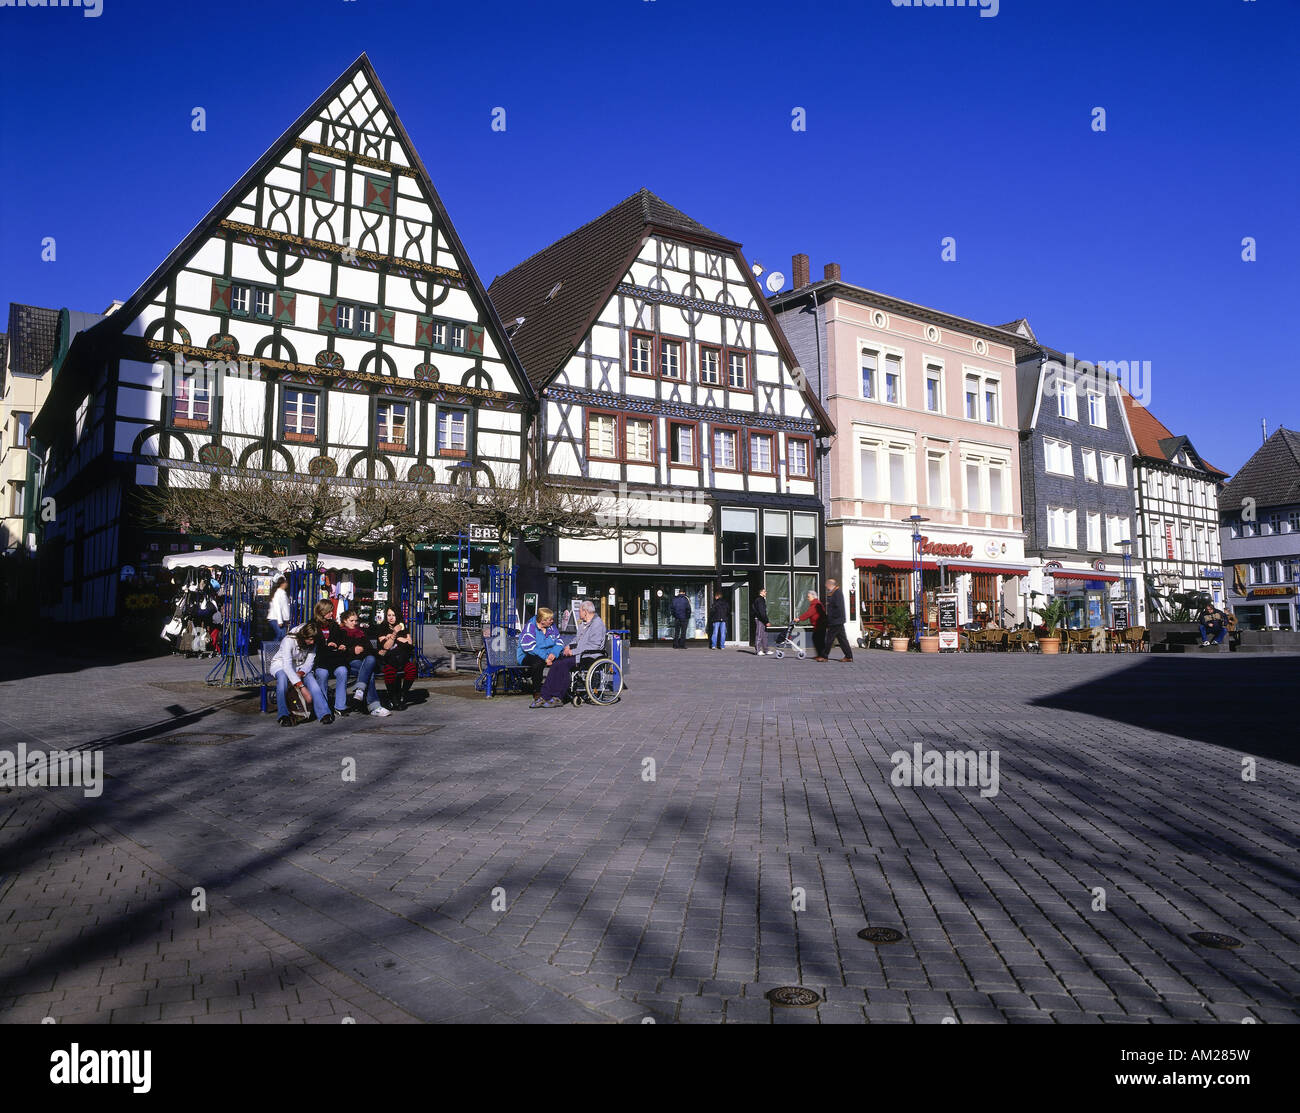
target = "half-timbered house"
x: 665, y: 383
x: 323, y: 319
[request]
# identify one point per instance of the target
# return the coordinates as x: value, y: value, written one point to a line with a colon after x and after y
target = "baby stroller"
x: 785, y: 642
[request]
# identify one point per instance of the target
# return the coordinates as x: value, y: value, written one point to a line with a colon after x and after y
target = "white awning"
x: 328, y: 562
x: 214, y: 558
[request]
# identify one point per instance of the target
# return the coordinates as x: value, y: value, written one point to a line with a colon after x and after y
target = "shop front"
x: 1093, y: 597
x: 438, y: 577
x: 988, y: 592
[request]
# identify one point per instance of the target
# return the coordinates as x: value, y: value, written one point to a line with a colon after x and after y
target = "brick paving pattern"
x: 495, y: 863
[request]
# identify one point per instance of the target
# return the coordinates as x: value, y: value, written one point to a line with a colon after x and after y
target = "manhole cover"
x: 880, y: 935
x: 198, y: 738
x: 410, y: 731
x: 794, y: 996
x: 1215, y: 939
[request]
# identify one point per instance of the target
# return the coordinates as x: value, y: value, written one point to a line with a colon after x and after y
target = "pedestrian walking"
x: 816, y: 613
x: 836, y: 616
x: 681, y: 618
x: 718, y: 615
x: 278, y: 612
x: 758, y: 611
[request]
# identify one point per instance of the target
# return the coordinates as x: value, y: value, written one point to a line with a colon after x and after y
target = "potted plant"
x: 898, y: 620
x: 1053, y: 614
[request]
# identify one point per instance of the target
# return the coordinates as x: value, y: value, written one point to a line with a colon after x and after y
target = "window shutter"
x: 325, y: 320
x: 286, y: 302
x: 221, y: 295
x: 379, y: 194
x: 474, y: 338
x: 384, y: 324
x: 424, y: 330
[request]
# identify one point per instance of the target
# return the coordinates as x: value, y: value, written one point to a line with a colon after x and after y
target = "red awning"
x: 999, y: 570
x: 906, y: 565
x: 1066, y: 574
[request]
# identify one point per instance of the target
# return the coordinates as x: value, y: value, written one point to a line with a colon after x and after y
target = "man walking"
x: 758, y: 611
x: 836, y: 617
x: 681, y: 618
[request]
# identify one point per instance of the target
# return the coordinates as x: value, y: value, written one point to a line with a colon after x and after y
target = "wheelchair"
x: 601, y: 678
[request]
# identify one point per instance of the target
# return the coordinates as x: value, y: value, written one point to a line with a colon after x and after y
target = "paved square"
x: 494, y: 863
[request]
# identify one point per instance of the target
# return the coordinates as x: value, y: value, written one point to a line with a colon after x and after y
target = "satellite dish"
x: 775, y: 281
x: 757, y: 268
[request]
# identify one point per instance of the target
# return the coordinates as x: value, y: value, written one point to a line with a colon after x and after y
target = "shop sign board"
x: 473, y: 604
x: 948, y: 637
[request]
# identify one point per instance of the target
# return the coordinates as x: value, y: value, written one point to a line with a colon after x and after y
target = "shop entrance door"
x: 740, y: 614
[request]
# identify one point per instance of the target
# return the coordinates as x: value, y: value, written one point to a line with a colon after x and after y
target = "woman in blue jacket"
x: 539, y: 645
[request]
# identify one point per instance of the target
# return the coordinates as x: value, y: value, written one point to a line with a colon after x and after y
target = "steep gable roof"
x: 561, y: 289
x: 1153, y: 439
x: 586, y: 265
x: 1271, y: 476
x: 361, y: 68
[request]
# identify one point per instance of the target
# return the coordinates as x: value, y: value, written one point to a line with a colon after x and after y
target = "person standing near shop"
x: 718, y: 615
x: 816, y: 614
x: 278, y: 613
x: 836, y: 617
x: 681, y: 618
x: 758, y: 611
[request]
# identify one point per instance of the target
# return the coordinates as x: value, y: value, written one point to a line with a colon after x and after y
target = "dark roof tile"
x: 1271, y: 477
x: 33, y: 332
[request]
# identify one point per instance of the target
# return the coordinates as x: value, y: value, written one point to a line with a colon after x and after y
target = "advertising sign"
x: 383, y: 580
x: 473, y: 604
x: 485, y: 533
x: 948, y: 638
x: 1119, y: 614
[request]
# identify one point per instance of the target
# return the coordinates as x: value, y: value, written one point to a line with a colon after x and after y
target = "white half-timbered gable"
x: 662, y: 375
x: 322, y: 319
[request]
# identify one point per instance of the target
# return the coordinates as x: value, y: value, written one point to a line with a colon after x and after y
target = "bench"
x: 462, y: 641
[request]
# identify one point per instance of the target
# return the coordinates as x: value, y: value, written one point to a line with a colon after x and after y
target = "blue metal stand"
x: 413, y: 609
x: 501, y: 672
x: 235, y: 668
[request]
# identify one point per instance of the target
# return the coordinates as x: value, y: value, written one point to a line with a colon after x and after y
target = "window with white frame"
x: 670, y: 359
x: 934, y: 390
x: 22, y: 428
x: 681, y: 441
x: 897, y: 475
x: 262, y: 303
x: 893, y: 389
x: 640, y: 351
x: 1089, y: 456
x: 867, y: 461
x: 936, y: 478
x: 738, y: 370
x: 1112, y: 469
x: 637, y: 440
x: 972, y: 394
x: 884, y: 471
x: 1116, y: 531
x: 300, y: 407
x: 1058, y: 457
x: 392, y: 425
x: 992, y: 401
x: 974, y: 488
x: 797, y: 458
x: 711, y: 366
x: 18, y: 507
x: 365, y: 321
x: 1067, y: 400
x: 1097, y: 409
x: 453, y: 432
x: 439, y: 332
x: 1062, y: 527
x: 191, y: 404
x: 239, y: 298
x: 997, y: 487
x: 1094, y: 531
x: 343, y: 316
x: 725, y: 454
x: 760, y: 453
x: 457, y: 336
x: 868, y: 374
x: 602, y: 436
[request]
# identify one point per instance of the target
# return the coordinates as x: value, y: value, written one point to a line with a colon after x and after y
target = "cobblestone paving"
x: 494, y: 863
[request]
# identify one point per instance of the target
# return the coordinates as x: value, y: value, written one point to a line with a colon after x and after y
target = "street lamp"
x: 915, y: 521
x: 1126, y: 547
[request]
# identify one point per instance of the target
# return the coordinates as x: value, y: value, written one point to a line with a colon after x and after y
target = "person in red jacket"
x: 817, y: 613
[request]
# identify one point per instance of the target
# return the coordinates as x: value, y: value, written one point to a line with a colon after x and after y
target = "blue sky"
x: 921, y: 123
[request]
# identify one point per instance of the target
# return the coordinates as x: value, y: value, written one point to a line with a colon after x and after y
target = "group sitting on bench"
x: 541, y: 645
x: 313, y: 653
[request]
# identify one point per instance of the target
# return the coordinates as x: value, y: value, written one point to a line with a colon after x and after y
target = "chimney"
x: 831, y: 272
x: 799, y: 265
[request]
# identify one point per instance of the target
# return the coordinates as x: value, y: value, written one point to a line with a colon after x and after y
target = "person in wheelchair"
x: 589, y: 645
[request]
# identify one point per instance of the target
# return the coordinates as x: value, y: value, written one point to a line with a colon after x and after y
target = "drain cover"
x: 1215, y: 939
x: 795, y: 996
x: 880, y: 935
x: 410, y: 731
x: 198, y: 738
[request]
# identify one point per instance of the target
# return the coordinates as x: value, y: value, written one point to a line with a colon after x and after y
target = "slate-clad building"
x: 1259, y: 512
x: 323, y: 319
x: 1075, y: 459
x: 665, y: 384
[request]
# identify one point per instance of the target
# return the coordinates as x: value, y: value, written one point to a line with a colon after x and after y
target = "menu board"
x: 948, y: 637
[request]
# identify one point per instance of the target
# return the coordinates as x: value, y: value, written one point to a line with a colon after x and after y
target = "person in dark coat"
x: 681, y: 618
x: 758, y: 612
x: 836, y: 616
x: 816, y: 613
x: 718, y: 615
